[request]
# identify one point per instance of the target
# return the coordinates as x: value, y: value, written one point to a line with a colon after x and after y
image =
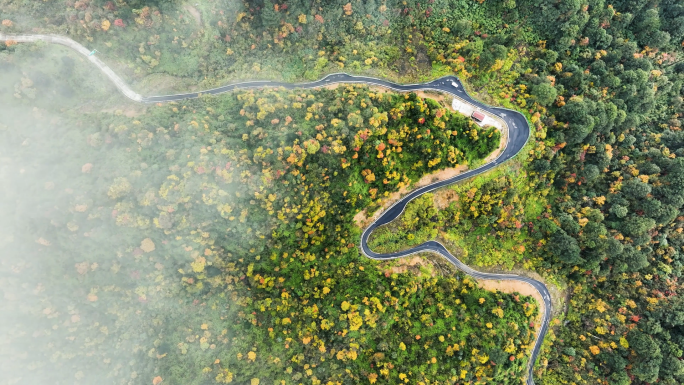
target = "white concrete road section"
x: 55, y: 39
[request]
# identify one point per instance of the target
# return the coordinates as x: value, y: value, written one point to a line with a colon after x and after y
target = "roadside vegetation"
x: 596, y: 198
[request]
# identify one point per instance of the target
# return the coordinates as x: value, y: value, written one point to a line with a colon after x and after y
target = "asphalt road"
x: 518, y: 134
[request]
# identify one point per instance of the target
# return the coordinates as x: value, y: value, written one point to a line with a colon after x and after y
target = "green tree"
x: 544, y: 93
x: 491, y: 55
x: 619, y: 211
x: 564, y: 247
x: 636, y: 189
x: 463, y: 28
x: 269, y: 16
x: 648, y: 356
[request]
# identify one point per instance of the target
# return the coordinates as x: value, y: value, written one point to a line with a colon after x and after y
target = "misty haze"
x: 341, y: 192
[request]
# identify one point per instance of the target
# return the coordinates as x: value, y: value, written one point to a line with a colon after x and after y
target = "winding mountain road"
x: 518, y: 134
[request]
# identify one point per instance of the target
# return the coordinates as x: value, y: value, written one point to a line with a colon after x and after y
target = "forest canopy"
x: 593, y: 204
x: 222, y: 258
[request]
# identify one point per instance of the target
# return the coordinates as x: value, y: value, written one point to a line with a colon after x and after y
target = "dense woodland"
x: 213, y: 241
x: 594, y: 203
